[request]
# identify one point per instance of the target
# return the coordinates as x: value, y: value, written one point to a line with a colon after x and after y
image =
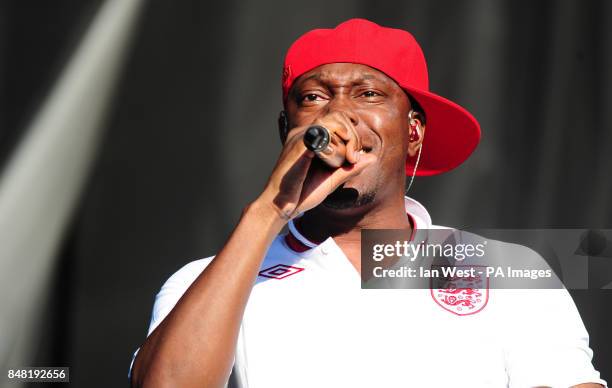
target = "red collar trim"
x: 295, y: 244
x: 413, y: 224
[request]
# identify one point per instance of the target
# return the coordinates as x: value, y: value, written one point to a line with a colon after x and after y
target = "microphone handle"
x: 328, y: 148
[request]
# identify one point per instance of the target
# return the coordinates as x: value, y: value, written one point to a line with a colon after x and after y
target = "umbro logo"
x: 280, y: 271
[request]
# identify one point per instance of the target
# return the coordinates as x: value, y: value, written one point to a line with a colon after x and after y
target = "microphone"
x: 330, y: 150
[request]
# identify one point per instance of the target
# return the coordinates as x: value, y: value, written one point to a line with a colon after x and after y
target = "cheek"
x: 377, y: 122
x: 292, y: 114
x: 297, y: 117
x: 391, y: 128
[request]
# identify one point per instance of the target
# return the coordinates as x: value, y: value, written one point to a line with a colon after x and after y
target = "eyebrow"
x: 318, y: 77
x: 321, y: 78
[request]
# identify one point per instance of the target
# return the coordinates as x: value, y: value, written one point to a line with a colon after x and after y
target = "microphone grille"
x: 316, y: 138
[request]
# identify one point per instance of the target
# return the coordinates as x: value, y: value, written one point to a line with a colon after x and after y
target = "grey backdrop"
x: 192, y: 137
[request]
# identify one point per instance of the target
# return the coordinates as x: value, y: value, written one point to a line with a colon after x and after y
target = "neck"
x: 345, y: 225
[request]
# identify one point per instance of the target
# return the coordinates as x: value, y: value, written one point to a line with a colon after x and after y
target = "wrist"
x: 267, y: 213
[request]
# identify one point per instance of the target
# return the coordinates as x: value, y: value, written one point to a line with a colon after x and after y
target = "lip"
x: 370, y: 141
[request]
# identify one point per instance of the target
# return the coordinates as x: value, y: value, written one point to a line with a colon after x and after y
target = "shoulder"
x: 188, y: 272
x: 174, y: 287
x: 178, y: 283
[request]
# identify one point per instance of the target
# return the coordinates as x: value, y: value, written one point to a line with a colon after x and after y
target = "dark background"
x: 198, y: 101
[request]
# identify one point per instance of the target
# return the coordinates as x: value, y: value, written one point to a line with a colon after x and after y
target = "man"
x: 287, y: 310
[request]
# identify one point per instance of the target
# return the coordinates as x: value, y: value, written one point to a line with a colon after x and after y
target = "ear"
x: 283, y: 126
x: 415, y: 125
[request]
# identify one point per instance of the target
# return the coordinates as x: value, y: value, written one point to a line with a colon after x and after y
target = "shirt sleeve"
x: 170, y: 293
x: 548, y: 344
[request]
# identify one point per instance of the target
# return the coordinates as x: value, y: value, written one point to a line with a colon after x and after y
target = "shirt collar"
x: 414, y: 209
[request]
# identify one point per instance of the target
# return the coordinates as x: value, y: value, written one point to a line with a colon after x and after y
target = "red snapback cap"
x: 452, y: 132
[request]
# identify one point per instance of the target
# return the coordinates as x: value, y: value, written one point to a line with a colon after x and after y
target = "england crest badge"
x: 462, y: 291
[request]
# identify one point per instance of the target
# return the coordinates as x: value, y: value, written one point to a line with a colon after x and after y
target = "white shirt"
x: 309, y: 324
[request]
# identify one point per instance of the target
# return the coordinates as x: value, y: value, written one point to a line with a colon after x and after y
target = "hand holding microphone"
x: 329, y: 147
x: 318, y: 139
x: 294, y: 187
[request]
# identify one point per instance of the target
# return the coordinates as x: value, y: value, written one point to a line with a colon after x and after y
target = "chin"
x: 345, y: 198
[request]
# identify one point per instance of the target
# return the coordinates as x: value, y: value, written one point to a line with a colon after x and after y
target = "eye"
x: 311, y: 97
x: 370, y: 93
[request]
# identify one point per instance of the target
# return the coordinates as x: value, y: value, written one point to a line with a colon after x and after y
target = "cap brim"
x: 451, y: 134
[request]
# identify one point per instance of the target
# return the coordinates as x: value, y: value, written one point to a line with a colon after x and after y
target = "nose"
x: 343, y: 104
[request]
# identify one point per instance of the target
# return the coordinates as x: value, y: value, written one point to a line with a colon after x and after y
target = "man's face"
x: 378, y: 108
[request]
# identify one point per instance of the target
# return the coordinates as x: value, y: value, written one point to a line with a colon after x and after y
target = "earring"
x: 411, y: 117
x: 414, y: 126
